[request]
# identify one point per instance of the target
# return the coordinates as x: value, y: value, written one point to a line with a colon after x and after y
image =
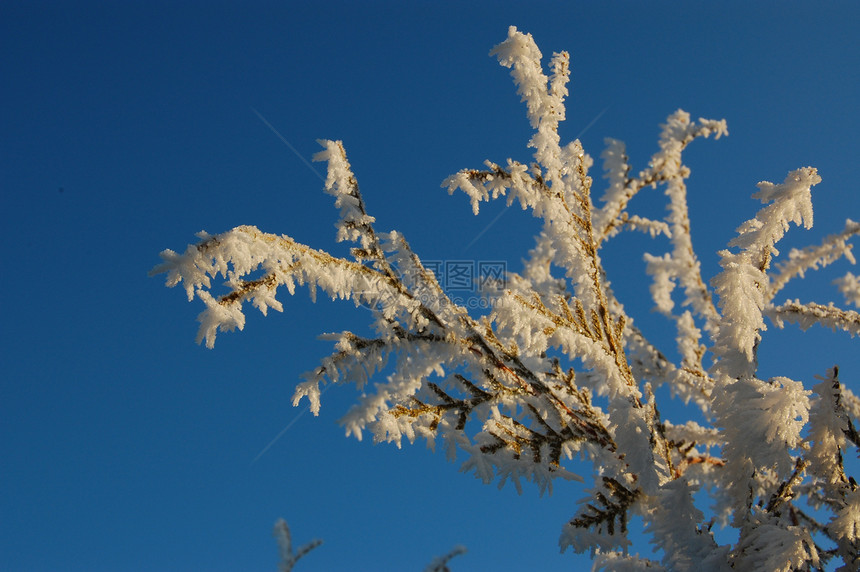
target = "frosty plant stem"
x: 557, y: 371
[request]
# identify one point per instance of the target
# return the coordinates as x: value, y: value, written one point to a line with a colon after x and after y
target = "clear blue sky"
x: 126, y: 127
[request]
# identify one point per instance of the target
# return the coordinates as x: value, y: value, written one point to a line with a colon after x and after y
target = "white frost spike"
x: 831, y: 249
x: 761, y: 423
x: 544, y: 97
x: 743, y: 283
x: 520, y: 53
x: 827, y: 432
x: 225, y: 317
x: 740, y: 288
x: 311, y: 390
x: 811, y: 314
x: 663, y: 270
x: 787, y: 405
x: 340, y: 183
x: 676, y: 528
x: 791, y: 201
x: 768, y: 545
x: 616, y: 169
x: 846, y: 523
x: 849, y: 285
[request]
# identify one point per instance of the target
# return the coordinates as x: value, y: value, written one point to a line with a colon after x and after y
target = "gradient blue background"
x: 127, y: 127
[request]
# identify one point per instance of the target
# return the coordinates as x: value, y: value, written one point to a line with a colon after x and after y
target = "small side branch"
x: 610, y: 508
x: 811, y: 313
x: 285, y: 547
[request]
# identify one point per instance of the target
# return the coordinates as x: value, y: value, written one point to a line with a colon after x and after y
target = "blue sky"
x: 127, y: 127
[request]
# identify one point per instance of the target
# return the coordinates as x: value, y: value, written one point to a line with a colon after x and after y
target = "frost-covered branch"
x: 809, y: 314
x: 557, y: 375
x: 440, y: 563
x: 743, y: 284
x: 289, y: 558
x: 285, y: 547
x: 800, y: 261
